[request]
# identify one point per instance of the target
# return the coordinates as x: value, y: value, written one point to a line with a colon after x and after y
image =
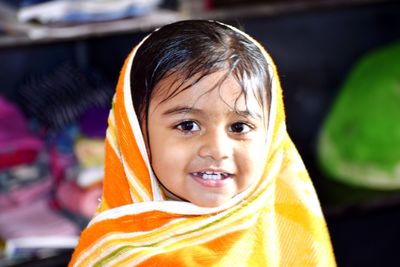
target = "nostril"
x: 215, y: 153
x: 215, y: 145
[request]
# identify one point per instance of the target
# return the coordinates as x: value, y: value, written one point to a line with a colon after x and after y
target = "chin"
x: 210, y: 203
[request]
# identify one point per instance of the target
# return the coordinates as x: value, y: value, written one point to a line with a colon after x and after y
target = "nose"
x: 216, y: 145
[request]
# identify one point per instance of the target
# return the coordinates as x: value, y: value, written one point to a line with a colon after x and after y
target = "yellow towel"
x: 276, y: 222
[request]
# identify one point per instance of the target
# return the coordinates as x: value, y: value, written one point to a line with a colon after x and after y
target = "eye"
x: 188, y: 126
x: 240, y: 127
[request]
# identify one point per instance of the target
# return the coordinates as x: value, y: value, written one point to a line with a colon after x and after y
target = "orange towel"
x: 275, y: 222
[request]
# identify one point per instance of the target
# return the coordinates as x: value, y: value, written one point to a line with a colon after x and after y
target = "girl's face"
x: 202, y: 149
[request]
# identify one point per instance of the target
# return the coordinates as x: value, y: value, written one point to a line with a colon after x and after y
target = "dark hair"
x: 197, y: 47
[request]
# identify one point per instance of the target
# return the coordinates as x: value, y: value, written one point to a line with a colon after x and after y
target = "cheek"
x: 167, y: 157
x: 253, y: 160
x: 163, y: 154
x: 159, y: 153
x: 160, y: 162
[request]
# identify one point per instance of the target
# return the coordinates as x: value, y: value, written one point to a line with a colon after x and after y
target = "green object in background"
x: 359, y: 143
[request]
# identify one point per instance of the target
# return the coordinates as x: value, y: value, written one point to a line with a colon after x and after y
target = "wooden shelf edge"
x: 275, y: 9
x: 27, y: 34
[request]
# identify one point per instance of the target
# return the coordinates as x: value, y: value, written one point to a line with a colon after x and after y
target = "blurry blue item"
x: 360, y: 140
x: 64, y: 139
x: 78, y: 11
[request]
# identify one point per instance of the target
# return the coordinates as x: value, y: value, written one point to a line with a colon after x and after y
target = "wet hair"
x: 197, y: 48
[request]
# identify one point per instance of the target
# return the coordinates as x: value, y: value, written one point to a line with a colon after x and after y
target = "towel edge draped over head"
x: 276, y: 222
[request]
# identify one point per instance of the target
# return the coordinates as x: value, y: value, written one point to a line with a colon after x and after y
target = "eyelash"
x: 179, y: 126
x: 251, y: 127
x: 189, y: 131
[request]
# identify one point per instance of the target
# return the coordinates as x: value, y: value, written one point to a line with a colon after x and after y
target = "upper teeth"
x: 208, y: 175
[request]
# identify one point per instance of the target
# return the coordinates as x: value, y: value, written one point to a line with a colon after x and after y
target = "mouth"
x: 211, y: 175
x: 212, y: 178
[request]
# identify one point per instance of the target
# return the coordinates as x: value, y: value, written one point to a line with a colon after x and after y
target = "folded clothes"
x: 60, y: 164
x: 90, y: 151
x: 35, y: 219
x: 88, y: 177
x: 85, y: 10
x: 25, y: 194
x: 24, y: 174
x: 17, y: 144
x: 13, y: 157
x: 83, y: 202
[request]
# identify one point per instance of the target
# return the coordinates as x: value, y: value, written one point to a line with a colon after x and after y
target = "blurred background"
x: 59, y: 64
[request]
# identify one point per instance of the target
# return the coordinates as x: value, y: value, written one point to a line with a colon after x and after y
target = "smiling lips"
x: 210, y: 175
x: 211, y: 178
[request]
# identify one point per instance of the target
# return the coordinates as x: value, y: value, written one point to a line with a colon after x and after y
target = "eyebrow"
x: 247, y: 113
x: 181, y: 110
x: 185, y: 110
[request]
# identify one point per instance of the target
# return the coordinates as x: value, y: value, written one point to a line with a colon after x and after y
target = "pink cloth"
x: 15, y: 136
x: 25, y: 194
x: 77, y: 200
x: 34, y: 219
x: 59, y: 163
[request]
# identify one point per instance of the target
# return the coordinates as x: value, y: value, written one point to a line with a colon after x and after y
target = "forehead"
x: 208, y: 89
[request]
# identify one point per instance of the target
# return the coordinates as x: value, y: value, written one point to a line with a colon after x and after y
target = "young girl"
x: 200, y: 170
